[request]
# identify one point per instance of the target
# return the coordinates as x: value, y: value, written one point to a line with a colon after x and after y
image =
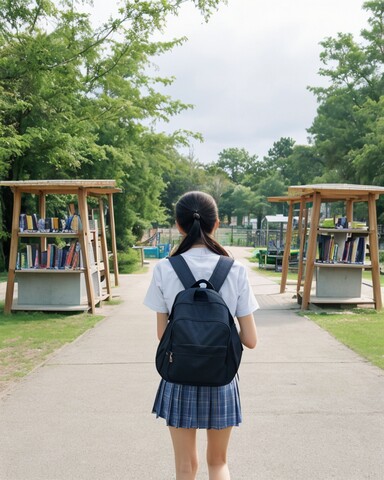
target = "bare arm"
x: 248, y: 333
x: 162, y: 320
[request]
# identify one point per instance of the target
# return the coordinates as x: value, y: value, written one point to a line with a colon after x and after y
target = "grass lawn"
x: 275, y: 275
x: 360, y: 330
x: 3, y: 276
x: 28, y: 338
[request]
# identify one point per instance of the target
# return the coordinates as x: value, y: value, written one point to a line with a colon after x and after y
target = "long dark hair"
x: 196, y: 214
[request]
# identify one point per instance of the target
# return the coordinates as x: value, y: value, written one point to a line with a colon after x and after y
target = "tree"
x: 276, y: 160
x: 185, y: 174
x: 238, y: 164
x: 348, y: 123
x: 303, y: 165
x: 74, y: 101
x: 239, y: 202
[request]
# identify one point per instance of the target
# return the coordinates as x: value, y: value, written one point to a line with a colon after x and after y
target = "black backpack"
x: 201, y: 345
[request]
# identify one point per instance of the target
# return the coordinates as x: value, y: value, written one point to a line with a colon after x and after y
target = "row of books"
x: 350, y: 251
x: 58, y: 258
x: 31, y: 223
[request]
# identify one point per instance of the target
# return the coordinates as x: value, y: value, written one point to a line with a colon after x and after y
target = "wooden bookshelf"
x: 62, y: 290
x: 338, y: 282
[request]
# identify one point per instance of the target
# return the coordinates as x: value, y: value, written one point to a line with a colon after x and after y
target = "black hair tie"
x: 196, y: 215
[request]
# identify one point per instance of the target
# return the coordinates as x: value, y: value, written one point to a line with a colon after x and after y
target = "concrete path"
x: 312, y: 408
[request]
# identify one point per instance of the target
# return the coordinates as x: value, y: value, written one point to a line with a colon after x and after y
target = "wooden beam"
x: 287, y: 249
x: 302, y: 237
x: 113, y: 239
x: 349, y: 211
x: 42, y: 213
x: 374, y: 251
x: 104, y: 249
x: 311, y: 252
x: 85, y: 243
x: 13, y: 251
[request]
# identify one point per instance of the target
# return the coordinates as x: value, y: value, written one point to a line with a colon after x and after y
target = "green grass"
x: 367, y: 275
x: 28, y: 338
x: 3, y: 276
x: 270, y: 273
x: 361, y: 330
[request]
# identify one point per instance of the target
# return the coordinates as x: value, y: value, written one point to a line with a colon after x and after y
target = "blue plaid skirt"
x: 185, y: 406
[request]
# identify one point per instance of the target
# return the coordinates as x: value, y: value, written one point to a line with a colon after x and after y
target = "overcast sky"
x: 247, y: 69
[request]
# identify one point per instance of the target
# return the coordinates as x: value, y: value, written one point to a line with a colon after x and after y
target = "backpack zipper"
x: 170, y: 355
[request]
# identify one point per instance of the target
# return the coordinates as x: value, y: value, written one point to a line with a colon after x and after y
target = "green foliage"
x: 128, y: 261
x: 184, y: 174
x: 348, y: 128
x: 26, y: 339
x: 276, y: 160
x: 238, y: 164
x: 78, y: 102
x: 362, y: 331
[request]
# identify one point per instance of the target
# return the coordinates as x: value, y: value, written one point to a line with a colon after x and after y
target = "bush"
x: 128, y: 261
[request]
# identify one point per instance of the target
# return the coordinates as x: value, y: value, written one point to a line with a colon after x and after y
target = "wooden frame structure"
x: 82, y: 189
x: 318, y: 194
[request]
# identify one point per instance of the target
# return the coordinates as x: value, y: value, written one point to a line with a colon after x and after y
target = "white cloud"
x: 247, y: 69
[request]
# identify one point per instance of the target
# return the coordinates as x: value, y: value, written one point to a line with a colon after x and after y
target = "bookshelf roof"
x: 330, y: 189
x: 96, y: 187
x: 330, y: 192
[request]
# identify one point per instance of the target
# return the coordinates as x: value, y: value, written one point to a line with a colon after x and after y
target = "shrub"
x: 128, y: 261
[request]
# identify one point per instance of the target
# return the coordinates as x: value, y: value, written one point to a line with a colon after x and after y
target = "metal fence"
x: 238, y: 236
x: 226, y: 236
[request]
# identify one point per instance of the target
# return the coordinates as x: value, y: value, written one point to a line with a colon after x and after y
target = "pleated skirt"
x: 185, y: 406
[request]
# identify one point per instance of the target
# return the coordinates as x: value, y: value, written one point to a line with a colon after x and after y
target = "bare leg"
x: 186, y: 458
x: 217, y: 453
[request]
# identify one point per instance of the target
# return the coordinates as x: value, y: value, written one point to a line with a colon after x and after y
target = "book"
x: 43, y: 259
x: 34, y: 222
x: 22, y: 222
x: 29, y: 222
x: 360, y: 254
x: 71, y: 251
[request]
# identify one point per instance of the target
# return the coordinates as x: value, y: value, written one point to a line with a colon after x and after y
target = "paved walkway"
x: 312, y: 408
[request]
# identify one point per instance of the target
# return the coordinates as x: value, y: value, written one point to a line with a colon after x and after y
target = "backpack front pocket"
x: 197, y: 364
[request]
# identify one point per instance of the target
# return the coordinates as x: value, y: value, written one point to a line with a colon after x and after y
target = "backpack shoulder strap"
x: 221, y: 271
x: 182, y: 271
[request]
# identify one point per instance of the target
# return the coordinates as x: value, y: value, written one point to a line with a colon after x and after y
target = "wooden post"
x: 104, y: 249
x: 287, y: 250
x: 42, y: 213
x: 113, y: 238
x: 374, y: 251
x: 311, y: 253
x: 302, y: 235
x: 349, y: 211
x: 85, y: 243
x: 13, y: 250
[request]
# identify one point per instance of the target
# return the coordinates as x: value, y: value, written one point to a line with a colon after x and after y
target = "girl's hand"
x: 162, y: 320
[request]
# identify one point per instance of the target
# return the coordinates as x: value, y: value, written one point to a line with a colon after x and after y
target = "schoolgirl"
x: 186, y: 408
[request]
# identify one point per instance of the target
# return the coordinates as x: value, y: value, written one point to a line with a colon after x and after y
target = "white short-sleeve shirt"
x: 165, y: 284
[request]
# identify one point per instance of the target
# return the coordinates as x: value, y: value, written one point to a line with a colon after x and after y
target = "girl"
x: 186, y: 408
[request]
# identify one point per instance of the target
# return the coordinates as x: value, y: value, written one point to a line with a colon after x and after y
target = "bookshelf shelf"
x: 339, y: 300
x: 358, y: 266
x: 338, y: 282
x: 52, y: 289
x: 343, y: 230
x: 47, y: 234
x: 50, y: 308
x: 43, y: 271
